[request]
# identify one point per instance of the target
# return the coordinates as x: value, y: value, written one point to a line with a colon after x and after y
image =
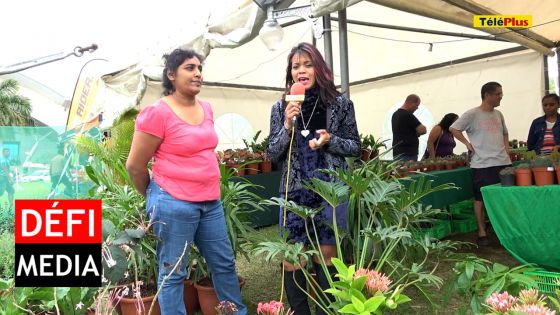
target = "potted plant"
x: 370, y: 147
x: 255, y: 151
x: 507, y: 176
x: 543, y: 171
x: 238, y: 202
x: 523, y: 175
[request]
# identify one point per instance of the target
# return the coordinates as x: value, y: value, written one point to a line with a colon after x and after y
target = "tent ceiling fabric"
x: 541, y: 38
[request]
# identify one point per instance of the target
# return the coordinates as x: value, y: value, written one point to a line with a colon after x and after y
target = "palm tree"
x: 15, y: 109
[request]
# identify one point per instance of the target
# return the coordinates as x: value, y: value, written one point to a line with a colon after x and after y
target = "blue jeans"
x: 176, y: 222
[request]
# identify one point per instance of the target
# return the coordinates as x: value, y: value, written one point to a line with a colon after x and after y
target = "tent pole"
x: 546, y: 80
x: 343, y: 46
x: 328, y: 40
x: 558, y: 64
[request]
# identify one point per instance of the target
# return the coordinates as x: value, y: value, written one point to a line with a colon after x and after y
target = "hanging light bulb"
x: 271, y: 34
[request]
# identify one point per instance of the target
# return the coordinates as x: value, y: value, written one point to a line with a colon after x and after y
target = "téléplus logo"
x: 58, y: 243
x: 500, y: 21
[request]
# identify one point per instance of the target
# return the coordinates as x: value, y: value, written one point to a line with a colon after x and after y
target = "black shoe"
x: 483, y: 241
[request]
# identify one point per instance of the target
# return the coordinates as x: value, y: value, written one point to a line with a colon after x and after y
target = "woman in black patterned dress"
x: 325, y: 133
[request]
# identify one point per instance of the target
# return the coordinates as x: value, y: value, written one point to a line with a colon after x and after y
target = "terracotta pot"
x: 190, y: 297
x: 252, y: 169
x: 557, y: 169
x: 207, y: 296
x: 240, y: 171
x: 365, y: 155
x: 543, y: 176
x: 266, y: 166
x: 523, y: 177
x: 127, y: 306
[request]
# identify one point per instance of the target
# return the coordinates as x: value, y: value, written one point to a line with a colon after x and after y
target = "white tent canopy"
x: 247, y: 79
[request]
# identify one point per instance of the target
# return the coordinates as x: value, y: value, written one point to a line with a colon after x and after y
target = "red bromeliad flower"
x: 272, y: 308
x: 375, y: 282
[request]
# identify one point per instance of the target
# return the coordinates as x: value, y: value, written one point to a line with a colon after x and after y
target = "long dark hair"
x: 323, y: 76
x: 172, y: 63
x: 447, y: 121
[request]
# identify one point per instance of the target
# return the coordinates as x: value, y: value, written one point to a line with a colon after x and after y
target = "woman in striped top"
x: 544, y: 133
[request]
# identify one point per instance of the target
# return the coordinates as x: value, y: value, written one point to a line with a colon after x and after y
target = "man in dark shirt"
x: 406, y: 130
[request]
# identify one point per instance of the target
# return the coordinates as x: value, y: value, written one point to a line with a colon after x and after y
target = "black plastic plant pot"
x: 507, y: 180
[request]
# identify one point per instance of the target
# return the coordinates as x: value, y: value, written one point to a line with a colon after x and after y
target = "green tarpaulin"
x: 527, y: 221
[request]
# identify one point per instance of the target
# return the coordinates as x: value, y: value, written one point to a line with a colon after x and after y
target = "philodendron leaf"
x: 116, y: 272
x: 122, y: 238
x: 136, y: 233
x: 107, y: 228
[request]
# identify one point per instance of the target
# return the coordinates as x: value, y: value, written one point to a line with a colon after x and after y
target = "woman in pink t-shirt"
x: 183, y: 195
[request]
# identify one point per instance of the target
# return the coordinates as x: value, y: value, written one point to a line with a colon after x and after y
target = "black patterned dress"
x: 307, y: 166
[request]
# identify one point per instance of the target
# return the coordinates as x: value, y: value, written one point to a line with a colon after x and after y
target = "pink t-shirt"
x: 185, y: 163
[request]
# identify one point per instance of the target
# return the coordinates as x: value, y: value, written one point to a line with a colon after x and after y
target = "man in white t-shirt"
x: 488, y: 145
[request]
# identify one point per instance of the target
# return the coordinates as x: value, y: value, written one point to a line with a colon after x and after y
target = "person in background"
x: 183, y: 195
x: 441, y: 141
x: 406, y: 130
x: 325, y: 132
x: 544, y: 133
x: 6, y: 182
x: 58, y: 174
x: 489, y: 145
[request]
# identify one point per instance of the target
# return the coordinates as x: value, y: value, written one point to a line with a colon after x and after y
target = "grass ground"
x: 263, y: 279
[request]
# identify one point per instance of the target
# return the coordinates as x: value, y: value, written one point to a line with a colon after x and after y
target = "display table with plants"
x: 462, y: 179
x: 526, y: 220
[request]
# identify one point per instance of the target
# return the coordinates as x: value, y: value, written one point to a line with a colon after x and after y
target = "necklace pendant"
x: 305, y: 133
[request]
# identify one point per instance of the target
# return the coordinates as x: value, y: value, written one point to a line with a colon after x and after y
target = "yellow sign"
x: 502, y: 21
x: 83, y: 98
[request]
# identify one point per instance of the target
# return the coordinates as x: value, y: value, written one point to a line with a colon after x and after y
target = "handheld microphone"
x: 297, y: 94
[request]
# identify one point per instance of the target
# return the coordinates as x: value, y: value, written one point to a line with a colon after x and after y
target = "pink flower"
x: 501, y: 302
x: 272, y: 308
x: 533, y: 309
x: 531, y: 296
x: 375, y: 281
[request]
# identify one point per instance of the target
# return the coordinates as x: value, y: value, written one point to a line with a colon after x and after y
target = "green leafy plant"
x: 382, y: 228
x: 476, y: 278
x: 33, y: 300
x: 370, y: 143
x: 542, y: 161
x: 507, y: 171
x: 7, y: 255
x: 255, y: 146
x: 363, y: 292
